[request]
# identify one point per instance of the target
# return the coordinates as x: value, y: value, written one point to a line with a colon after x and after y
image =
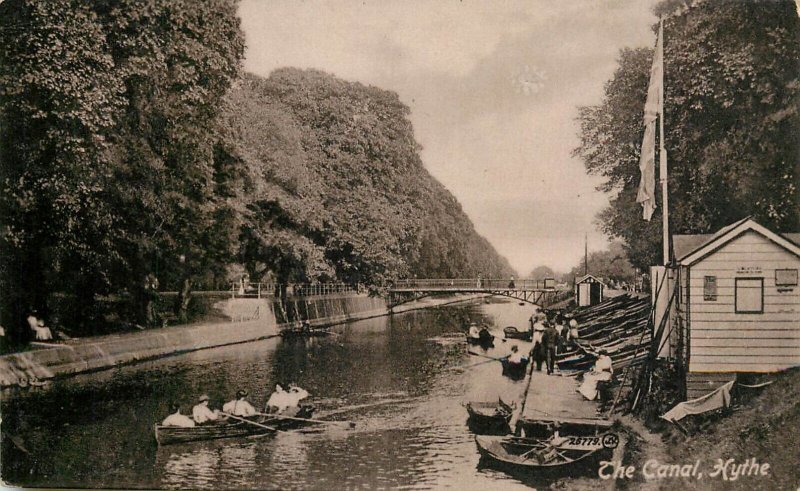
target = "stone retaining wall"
x: 262, y: 318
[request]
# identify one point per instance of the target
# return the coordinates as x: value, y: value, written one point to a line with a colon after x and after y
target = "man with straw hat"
x: 201, y: 412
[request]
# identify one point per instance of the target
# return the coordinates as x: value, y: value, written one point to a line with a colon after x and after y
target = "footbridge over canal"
x: 539, y: 292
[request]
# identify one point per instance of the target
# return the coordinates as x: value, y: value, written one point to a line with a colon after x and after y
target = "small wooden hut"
x: 738, y: 303
x: 588, y: 291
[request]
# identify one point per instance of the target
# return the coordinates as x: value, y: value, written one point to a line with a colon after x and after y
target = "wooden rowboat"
x: 485, y: 340
x: 514, y: 371
x: 538, y: 454
x: 489, y: 417
x: 166, y: 435
x: 512, y: 332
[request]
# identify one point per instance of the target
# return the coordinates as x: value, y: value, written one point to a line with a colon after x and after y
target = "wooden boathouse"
x: 737, y: 307
x: 588, y: 291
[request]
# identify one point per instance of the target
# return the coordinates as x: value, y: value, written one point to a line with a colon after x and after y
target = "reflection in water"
x: 393, y: 377
x: 194, y: 469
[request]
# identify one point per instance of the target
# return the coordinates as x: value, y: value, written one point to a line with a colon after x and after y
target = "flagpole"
x: 662, y: 152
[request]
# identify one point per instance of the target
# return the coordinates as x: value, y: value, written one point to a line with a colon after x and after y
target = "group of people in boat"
x: 280, y: 402
x: 479, y: 333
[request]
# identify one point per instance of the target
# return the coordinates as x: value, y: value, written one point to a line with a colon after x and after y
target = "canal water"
x: 398, y: 378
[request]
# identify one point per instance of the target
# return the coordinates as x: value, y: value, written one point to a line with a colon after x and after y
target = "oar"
x: 487, y: 356
x: 251, y: 422
x: 373, y: 404
x: 472, y: 364
x: 352, y: 424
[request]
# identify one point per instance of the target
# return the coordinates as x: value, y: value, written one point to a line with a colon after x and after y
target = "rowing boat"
x: 256, y: 425
x: 512, y: 370
x: 538, y: 454
x: 512, y: 332
x: 488, y: 417
x: 485, y: 340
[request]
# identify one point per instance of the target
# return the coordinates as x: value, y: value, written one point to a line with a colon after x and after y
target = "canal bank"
x: 401, y: 379
x: 252, y: 319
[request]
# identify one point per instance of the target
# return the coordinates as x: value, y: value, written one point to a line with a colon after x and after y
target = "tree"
x: 731, y: 104
x: 336, y: 187
x: 177, y: 60
x: 108, y: 147
x: 59, y: 100
x: 541, y: 273
x: 610, y: 264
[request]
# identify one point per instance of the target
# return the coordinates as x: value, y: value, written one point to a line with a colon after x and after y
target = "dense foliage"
x: 732, y: 93
x: 337, y: 189
x: 610, y: 265
x: 134, y: 158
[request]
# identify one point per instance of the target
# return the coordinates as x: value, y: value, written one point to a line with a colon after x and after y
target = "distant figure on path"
x: 177, y: 419
x: 201, y: 412
x: 511, y: 283
x: 40, y: 331
x: 239, y: 406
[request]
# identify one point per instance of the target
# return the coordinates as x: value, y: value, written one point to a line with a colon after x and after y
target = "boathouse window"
x: 785, y: 277
x: 710, y: 288
x: 749, y: 295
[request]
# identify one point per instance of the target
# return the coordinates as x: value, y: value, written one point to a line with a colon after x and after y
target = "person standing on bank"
x: 538, y: 354
x: 550, y: 342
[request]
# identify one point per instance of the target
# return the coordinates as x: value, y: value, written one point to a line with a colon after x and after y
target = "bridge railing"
x: 474, y: 284
x: 259, y: 290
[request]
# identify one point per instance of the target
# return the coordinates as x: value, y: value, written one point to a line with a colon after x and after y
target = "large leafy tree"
x: 111, y: 166
x: 337, y: 189
x: 59, y: 102
x: 732, y: 93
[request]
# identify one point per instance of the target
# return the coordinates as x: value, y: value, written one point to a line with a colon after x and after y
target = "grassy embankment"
x: 765, y: 428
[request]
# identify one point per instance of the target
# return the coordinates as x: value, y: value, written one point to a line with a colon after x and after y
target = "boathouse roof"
x: 581, y: 279
x: 691, y: 248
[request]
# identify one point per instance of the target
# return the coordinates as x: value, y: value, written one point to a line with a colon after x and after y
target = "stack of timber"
x: 619, y: 325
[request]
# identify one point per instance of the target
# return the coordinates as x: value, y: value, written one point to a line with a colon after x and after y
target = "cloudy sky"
x: 493, y: 89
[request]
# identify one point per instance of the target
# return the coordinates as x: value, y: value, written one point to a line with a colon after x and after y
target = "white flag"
x: 647, y: 159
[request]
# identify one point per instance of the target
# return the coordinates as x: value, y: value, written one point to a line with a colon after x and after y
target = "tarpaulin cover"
x: 709, y: 402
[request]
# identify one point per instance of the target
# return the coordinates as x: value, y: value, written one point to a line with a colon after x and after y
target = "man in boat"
x: 516, y: 356
x: 201, y: 412
x: 177, y: 419
x: 239, y: 406
x: 474, y: 332
x: 296, y: 394
x: 279, y: 400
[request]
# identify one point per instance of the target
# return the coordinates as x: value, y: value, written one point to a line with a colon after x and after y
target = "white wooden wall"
x: 724, y: 341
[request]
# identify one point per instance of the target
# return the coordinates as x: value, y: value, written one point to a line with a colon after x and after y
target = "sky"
x: 494, y: 90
